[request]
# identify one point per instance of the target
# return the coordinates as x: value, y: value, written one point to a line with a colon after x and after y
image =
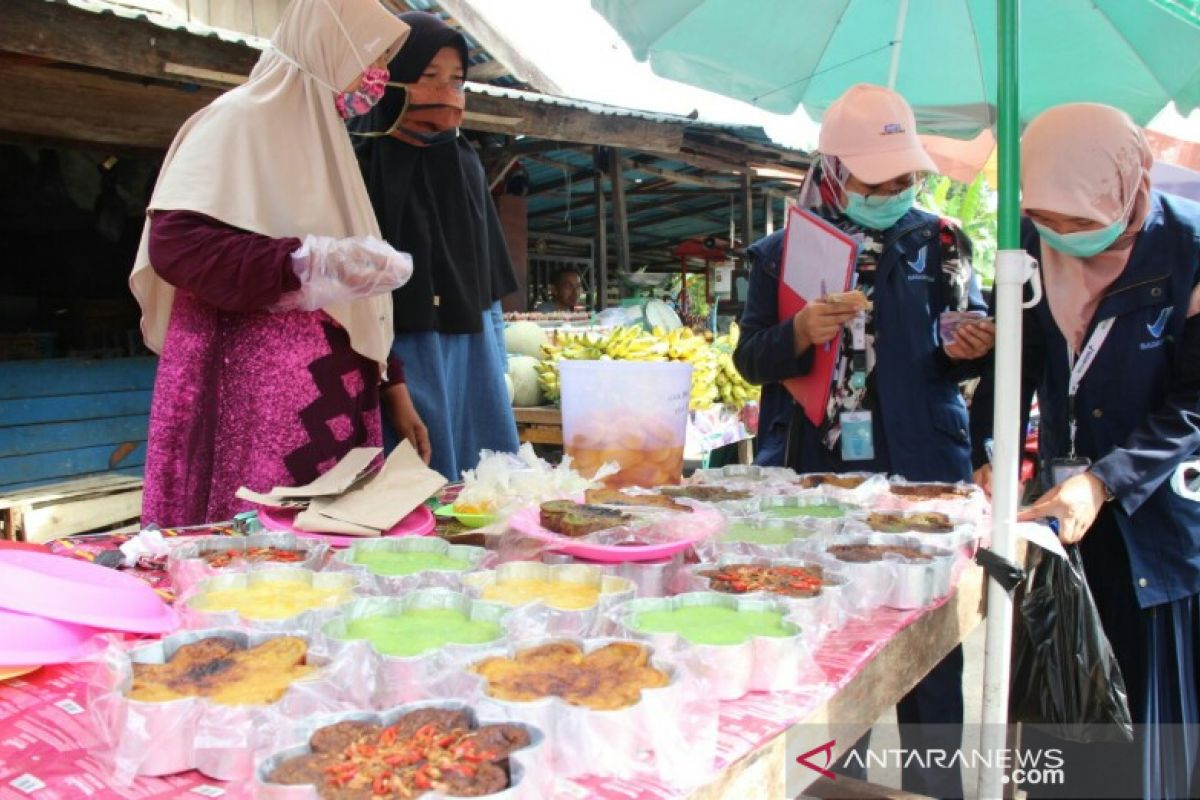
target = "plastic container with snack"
x: 608, y: 707
x: 212, y: 699
x: 268, y: 598
x: 652, y: 578
x: 856, y: 488
x: 760, y: 536
x: 814, y: 593
x: 964, y: 501
x: 433, y: 749
x: 904, y: 574
x: 203, y: 557
x: 931, y: 528
x: 570, y: 600
x: 415, y: 640
x: 395, y: 566
x: 748, y: 644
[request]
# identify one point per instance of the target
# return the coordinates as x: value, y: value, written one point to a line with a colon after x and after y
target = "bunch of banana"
x: 732, y: 388
x: 714, y: 377
x: 633, y: 344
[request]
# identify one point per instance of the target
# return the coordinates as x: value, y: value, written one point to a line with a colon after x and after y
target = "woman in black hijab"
x: 429, y: 192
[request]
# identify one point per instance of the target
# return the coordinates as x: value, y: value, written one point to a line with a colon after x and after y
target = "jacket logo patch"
x: 918, y: 264
x: 1157, y: 327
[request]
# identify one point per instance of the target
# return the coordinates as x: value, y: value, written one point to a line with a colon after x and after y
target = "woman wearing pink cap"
x: 1113, y: 351
x: 895, y: 406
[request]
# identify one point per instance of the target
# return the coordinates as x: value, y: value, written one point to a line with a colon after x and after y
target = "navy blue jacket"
x: 920, y: 420
x: 1138, y: 406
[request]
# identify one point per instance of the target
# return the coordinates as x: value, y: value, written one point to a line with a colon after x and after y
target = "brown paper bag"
x: 398, y: 489
x: 351, y: 470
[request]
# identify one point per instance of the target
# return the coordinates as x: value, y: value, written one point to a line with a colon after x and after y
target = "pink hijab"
x: 1085, y: 160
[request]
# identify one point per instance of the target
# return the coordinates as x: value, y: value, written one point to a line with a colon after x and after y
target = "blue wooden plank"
x: 72, y: 407
x: 66, y: 464
x: 61, y: 376
x: 19, y: 487
x: 58, y: 436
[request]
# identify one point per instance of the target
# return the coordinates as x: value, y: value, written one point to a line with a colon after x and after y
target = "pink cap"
x: 873, y: 131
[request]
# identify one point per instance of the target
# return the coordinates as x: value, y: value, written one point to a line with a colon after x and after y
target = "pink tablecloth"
x: 46, y: 746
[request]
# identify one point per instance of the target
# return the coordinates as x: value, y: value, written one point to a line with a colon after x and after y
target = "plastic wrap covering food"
x: 608, y: 707
x: 931, y: 528
x: 413, y: 642
x: 503, y: 482
x: 963, y: 501
x: 203, y: 557
x: 433, y: 750
x: 905, y: 574
x: 759, y: 481
x: 396, y: 566
x: 815, y: 593
x: 857, y: 488
x: 267, y: 599
x: 626, y: 535
x: 766, y: 537
x: 649, y: 578
x: 212, y: 699
x: 568, y: 600
x: 745, y: 644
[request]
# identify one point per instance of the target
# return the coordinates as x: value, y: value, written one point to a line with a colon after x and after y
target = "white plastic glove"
x: 335, y: 270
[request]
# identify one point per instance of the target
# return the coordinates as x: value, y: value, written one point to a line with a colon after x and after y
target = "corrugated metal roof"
x: 164, y: 21
x: 657, y: 222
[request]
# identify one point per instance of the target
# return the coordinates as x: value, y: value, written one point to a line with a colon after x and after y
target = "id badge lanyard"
x: 1079, y: 368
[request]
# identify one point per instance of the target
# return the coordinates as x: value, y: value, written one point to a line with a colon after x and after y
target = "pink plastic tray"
x: 26, y: 640
x: 418, y: 523
x: 79, y: 592
x: 702, y: 524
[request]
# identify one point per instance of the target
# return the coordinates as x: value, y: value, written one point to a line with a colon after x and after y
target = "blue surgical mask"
x: 879, y: 213
x: 1082, y: 244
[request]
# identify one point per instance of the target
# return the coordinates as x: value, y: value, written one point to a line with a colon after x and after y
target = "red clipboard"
x: 818, y: 259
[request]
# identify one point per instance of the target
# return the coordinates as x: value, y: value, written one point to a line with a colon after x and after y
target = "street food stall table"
x: 49, y: 751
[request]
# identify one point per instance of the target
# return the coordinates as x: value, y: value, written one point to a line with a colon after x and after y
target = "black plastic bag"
x: 1065, y: 676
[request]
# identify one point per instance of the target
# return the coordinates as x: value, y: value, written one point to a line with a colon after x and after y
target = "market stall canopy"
x: 942, y: 53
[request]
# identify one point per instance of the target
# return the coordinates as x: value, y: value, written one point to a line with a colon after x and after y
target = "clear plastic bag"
x: 333, y: 270
x: 1065, y: 675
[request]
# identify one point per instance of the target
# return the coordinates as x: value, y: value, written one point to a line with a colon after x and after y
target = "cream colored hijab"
x: 1085, y: 160
x: 272, y: 156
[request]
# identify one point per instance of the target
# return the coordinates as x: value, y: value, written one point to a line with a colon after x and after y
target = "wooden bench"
x: 72, y: 444
x: 77, y: 506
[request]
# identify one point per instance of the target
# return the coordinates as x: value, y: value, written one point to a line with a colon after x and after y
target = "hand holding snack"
x: 821, y: 320
x: 970, y: 339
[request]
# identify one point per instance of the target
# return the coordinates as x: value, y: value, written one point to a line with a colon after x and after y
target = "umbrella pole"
x: 1010, y: 276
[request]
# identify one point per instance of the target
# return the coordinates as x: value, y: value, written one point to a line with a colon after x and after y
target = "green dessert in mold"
x: 419, y: 630
x: 392, y: 562
x: 758, y: 534
x: 718, y: 625
x: 814, y: 511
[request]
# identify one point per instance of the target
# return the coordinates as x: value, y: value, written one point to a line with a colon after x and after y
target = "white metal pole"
x: 1011, y: 272
x: 897, y: 43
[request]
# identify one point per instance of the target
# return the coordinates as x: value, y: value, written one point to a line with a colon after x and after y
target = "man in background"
x: 568, y: 286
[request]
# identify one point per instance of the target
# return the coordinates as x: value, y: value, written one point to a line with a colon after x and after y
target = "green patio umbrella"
x: 964, y: 65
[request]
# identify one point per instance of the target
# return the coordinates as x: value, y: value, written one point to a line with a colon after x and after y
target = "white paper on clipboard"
x: 816, y: 257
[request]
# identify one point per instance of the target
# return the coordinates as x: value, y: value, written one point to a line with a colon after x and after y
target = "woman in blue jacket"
x: 1113, y: 352
x: 895, y: 377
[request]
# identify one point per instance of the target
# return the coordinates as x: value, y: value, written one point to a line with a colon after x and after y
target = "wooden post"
x: 600, y: 249
x: 616, y: 171
x: 747, y: 208
x: 770, y: 213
